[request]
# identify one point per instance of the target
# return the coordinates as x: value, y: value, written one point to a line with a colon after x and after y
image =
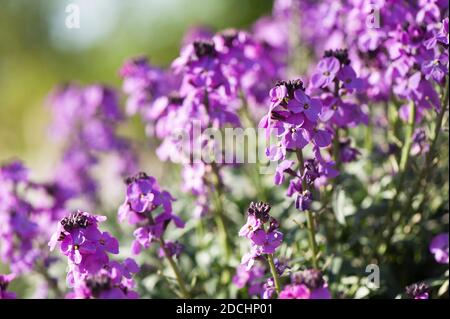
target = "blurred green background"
x: 37, y: 52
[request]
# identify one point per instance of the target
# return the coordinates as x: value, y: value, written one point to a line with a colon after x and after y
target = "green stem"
x: 337, y: 150
x: 176, y: 270
x: 312, y: 237
x: 389, y: 223
x: 273, y: 270
x: 427, y: 167
x: 219, y: 217
x: 404, y: 161
x: 309, y: 216
x: 173, y: 265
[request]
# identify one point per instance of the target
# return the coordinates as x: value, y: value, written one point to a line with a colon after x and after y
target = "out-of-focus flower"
x: 150, y: 206
x: 307, y: 284
x: 91, y: 273
x: 418, y: 291
x: 439, y: 248
x: 4, y: 282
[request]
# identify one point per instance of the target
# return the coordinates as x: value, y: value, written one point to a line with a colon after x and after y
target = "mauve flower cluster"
x: 4, y: 282
x: 262, y: 230
x: 150, y: 208
x: 86, y: 120
x: 293, y: 118
x: 252, y: 279
x: 91, y: 273
x: 410, y: 38
x: 337, y: 83
x: 418, y: 291
x: 27, y: 209
x: 203, y: 90
x: 257, y: 279
x: 307, y: 284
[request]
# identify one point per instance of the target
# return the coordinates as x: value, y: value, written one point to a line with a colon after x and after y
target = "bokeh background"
x: 37, y: 52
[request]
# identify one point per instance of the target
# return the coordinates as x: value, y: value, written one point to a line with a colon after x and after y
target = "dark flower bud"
x: 98, y: 284
x: 134, y: 178
x: 260, y: 210
x: 75, y: 220
x: 292, y: 86
x: 175, y: 98
x: 340, y: 54
x: 204, y: 48
x: 229, y: 36
x: 417, y: 290
x: 274, y: 224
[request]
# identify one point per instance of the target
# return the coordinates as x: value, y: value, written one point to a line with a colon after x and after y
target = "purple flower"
x: 307, y: 284
x: 252, y: 225
x: 267, y: 242
x: 91, y: 273
x: 27, y: 210
x: 113, y: 281
x: 172, y: 249
x: 327, y: 69
x: 278, y: 94
x: 250, y: 278
x: 139, y: 195
x: 281, y: 168
x: 84, y: 244
x: 439, y: 248
x: 304, y: 104
x: 420, y: 143
x: 142, y: 84
x: 349, y: 79
x: 435, y: 69
x: 14, y: 171
x: 418, y: 291
x: 268, y: 289
x: 144, y: 198
x: 303, y: 201
x: 295, y: 292
x: 348, y: 153
x: 4, y: 282
x: 264, y: 240
x: 86, y: 119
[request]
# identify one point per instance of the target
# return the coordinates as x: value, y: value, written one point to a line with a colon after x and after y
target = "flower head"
x: 418, y: 291
x: 439, y: 248
x: 4, y: 282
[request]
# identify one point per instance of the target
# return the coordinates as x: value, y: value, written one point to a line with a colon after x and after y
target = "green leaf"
x: 342, y: 205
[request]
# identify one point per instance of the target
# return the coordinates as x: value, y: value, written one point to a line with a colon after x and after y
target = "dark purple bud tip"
x: 417, y: 290
x: 274, y: 224
x: 204, y: 48
x: 260, y: 210
x: 340, y: 54
x: 175, y: 98
x: 3, y: 284
x: 99, y: 283
x: 137, y: 177
x: 229, y: 36
x: 292, y: 86
x: 74, y: 221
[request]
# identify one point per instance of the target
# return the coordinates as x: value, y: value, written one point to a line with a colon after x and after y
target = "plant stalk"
x: 273, y: 270
x: 309, y: 216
